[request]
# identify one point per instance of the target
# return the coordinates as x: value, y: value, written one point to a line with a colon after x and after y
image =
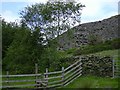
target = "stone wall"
x: 106, y: 29
x: 98, y: 66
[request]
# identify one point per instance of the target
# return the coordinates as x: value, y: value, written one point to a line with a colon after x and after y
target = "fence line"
x: 50, y: 79
x: 22, y: 75
x: 45, y: 80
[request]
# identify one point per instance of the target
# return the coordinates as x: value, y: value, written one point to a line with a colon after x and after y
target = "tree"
x: 24, y: 51
x: 52, y: 18
x: 8, y: 31
x: 65, y: 15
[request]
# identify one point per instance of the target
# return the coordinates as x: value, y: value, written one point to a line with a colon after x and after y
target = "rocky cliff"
x: 106, y: 29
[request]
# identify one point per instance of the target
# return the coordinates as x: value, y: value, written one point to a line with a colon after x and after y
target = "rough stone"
x: 106, y: 29
x: 98, y: 66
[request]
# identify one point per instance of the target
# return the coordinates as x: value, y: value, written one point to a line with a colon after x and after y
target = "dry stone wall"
x: 98, y: 66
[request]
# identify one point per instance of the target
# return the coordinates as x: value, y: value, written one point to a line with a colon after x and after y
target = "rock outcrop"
x: 106, y: 29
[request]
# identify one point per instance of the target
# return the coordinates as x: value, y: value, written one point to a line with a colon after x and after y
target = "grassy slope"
x: 97, y: 82
x: 93, y: 82
x: 113, y: 53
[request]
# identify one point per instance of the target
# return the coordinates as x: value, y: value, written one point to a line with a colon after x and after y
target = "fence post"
x: 36, y: 72
x: 7, y: 78
x: 117, y: 68
x: 62, y: 76
x: 113, y: 67
x: 46, y: 77
x: 80, y: 62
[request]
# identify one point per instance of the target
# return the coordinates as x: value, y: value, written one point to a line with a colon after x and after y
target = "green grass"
x: 113, y: 53
x: 93, y: 82
x: 97, y: 82
x: 19, y: 83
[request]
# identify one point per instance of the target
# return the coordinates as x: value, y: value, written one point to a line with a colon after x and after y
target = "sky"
x: 95, y: 10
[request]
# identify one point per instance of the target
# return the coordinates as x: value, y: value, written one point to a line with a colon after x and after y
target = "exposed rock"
x: 106, y: 29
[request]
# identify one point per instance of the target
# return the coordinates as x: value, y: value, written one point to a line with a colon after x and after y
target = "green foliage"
x: 8, y: 32
x: 94, y: 40
x: 50, y: 59
x: 116, y: 43
x: 23, y: 52
x: 70, y: 34
x: 26, y: 48
x: 108, y: 45
x: 53, y: 18
x: 71, y: 51
x: 54, y: 60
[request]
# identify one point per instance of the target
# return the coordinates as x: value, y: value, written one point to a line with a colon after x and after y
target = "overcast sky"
x: 95, y: 10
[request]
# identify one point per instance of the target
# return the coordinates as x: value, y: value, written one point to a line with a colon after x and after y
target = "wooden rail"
x: 45, y: 80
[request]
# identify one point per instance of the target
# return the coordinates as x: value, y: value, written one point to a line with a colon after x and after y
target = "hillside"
x: 103, y: 30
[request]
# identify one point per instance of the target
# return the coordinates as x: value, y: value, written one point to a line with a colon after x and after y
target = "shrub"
x: 70, y: 51
x: 116, y: 43
x: 94, y: 39
x: 107, y: 45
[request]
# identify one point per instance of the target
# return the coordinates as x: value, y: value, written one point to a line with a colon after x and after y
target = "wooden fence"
x: 45, y: 80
